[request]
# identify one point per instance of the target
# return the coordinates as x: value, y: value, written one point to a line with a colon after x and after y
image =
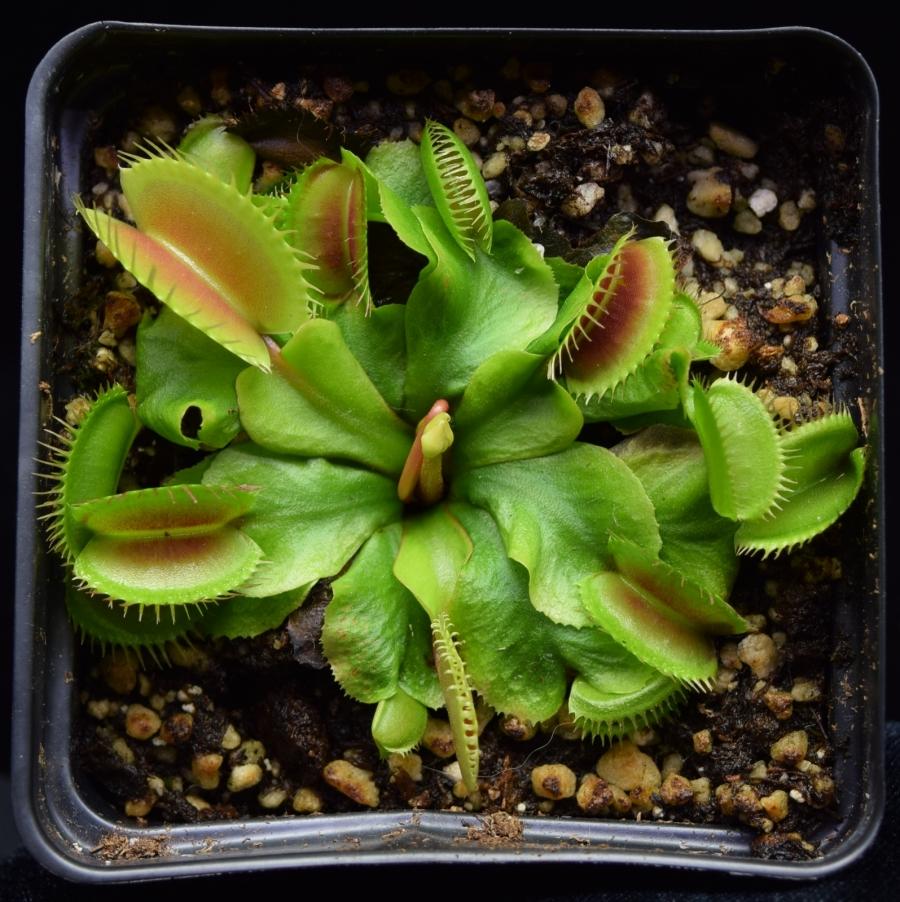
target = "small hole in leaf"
x: 393, y: 267
x: 191, y: 422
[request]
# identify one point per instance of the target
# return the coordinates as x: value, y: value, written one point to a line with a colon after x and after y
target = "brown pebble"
x: 337, y: 88
x: 438, y: 738
x: 466, y: 130
x: 589, y: 108
x: 703, y: 742
x: 515, y: 728
x: 120, y: 312
x: 779, y: 703
x: 676, y: 790
x: 791, y: 749
x: 553, y: 781
x: 177, y: 729
x: 306, y: 801
x: 478, y: 105
x: 759, y: 653
x: 407, y: 82
x: 118, y: 672
x: 734, y: 338
x: 594, y: 796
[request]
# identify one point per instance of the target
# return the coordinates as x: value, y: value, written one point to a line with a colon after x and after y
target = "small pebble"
x: 807, y: 200
x: 791, y: 749
x: 104, y: 255
x: 594, y: 795
x: 805, y: 690
x: 708, y: 245
x: 709, y: 198
x: 494, y: 165
x: 789, y: 216
x: 667, y: 215
x: 306, y: 801
x: 515, y: 728
x: 628, y: 767
x: 734, y: 338
x: 538, y: 141
x: 478, y: 105
x: 703, y: 742
x: 733, y: 142
x: 409, y: 764
x: 676, y: 790
x: 438, y: 738
x: 747, y: 223
x: 758, y: 652
x: 589, y: 108
x: 762, y: 201
x: 702, y: 789
x: 206, y: 769
x: 553, y: 781
x: 354, y: 782
x: 244, y: 776
x: 272, y: 798
x: 118, y: 672
x: 467, y: 131
x: 786, y: 407
x: 141, y: 722
x: 407, y: 82
x: 140, y: 807
x: 779, y: 703
x: 582, y: 200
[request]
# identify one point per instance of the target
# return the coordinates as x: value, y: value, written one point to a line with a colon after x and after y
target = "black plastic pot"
x: 62, y: 821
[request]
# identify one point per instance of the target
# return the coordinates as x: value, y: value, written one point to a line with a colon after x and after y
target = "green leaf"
x: 457, y: 692
x: 508, y: 647
x: 88, y: 466
x: 319, y: 402
x: 457, y: 188
x: 743, y: 454
x: 510, y: 411
x: 688, y: 601
x: 378, y: 342
x: 461, y: 313
x: 637, y: 696
x: 375, y: 633
x: 243, y: 617
x: 124, y: 626
x: 222, y: 237
x: 555, y: 515
x: 655, y: 385
x: 648, y: 628
x: 310, y: 515
x: 172, y: 510
x: 613, y: 317
x: 179, y: 368
x: 825, y: 471
x: 168, y: 570
x: 567, y: 276
x: 398, y: 165
x: 434, y: 549
x: 209, y: 145
x: 696, y: 541
x: 398, y: 724
x: 326, y: 221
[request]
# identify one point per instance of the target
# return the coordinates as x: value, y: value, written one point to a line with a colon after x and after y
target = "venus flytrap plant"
x: 424, y: 457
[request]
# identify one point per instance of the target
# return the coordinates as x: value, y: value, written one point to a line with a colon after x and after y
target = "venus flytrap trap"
x: 423, y: 457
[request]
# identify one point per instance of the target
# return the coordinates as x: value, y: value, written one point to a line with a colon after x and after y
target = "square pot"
x: 63, y: 821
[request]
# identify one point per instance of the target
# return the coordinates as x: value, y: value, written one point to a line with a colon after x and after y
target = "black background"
x: 23, y: 49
